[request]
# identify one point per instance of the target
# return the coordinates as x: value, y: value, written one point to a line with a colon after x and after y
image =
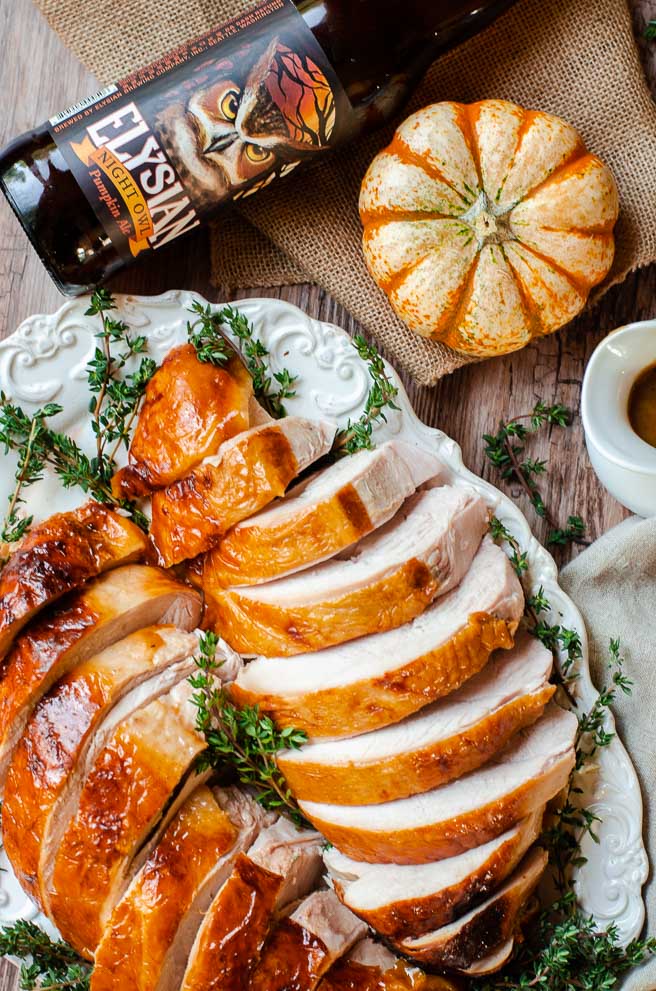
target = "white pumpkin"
x: 487, y: 225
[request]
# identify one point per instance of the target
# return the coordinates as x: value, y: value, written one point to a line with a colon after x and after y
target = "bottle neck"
x: 377, y: 44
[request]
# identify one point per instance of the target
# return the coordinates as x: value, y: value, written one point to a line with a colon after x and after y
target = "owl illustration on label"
x: 241, y: 121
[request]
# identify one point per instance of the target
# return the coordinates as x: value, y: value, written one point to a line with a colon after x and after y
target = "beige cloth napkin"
x: 576, y: 58
x: 614, y: 585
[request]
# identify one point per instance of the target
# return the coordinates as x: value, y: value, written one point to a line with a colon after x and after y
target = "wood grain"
x: 38, y: 76
x: 9, y: 975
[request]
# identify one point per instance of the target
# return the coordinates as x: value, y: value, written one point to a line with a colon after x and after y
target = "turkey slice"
x: 190, y: 407
x: 283, y: 865
x: 247, y: 472
x: 108, y: 609
x: 485, y: 931
x: 305, y: 945
x: 320, y: 517
x: 388, y: 579
x: 372, y: 967
x: 58, y: 556
x: 148, y: 938
x: 434, y: 746
x: 493, y: 962
x: 67, y: 730
x: 138, y: 782
x: 377, y: 680
x: 363, y: 968
x: 463, y: 814
x: 402, y: 901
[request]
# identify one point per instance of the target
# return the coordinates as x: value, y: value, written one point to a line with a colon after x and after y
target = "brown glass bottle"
x: 375, y: 50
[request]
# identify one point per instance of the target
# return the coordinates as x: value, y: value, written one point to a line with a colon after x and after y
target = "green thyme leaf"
x: 114, y: 404
x: 46, y: 964
x: 213, y: 345
x: 28, y: 436
x: 241, y: 739
x: 505, y: 450
x: 358, y: 434
x: 563, y: 950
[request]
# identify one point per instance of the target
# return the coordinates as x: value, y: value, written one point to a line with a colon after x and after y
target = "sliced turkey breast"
x: 372, y: 967
x: 67, y: 730
x: 138, y: 782
x: 304, y: 946
x: 388, y: 579
x: 283, y: 865
x: 464, y: 813
x: 492, y: 962
x: 59, y: 555
x: 361, y: 970
x: 407, y: 900
x: 105, y: 611
x: 147, y: 940
x: 190, y: 408
x: 485, y: 931
x: 372, y: 682
x: 245, y: 474
x: 320, y: 517
x: 294, y: 854
x: 371, y: 954
x: 436, y: 745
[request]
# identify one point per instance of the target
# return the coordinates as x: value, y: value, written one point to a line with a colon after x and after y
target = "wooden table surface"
x: 38, y: 76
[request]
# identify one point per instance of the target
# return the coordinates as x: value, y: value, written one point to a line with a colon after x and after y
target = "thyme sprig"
x: 501, y: 534
x: 564, y: 951
x: 564, y: 644
x: 358, y: 434
x: 573, y: 821
x: 254, y: 352
x: 213, y: 345
x: 58, y: 451
x: 46, y: 964
x: 506, y: 450
x: 113, y: 406
x: 26, y: 435
x: 241, y: 739
x: 116, y: 397
x: 207, y: 335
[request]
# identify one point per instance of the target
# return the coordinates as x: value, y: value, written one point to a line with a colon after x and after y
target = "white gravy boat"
x: 625, y: 464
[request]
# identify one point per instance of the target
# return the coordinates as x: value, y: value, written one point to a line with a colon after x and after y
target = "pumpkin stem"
x: 488, y: 227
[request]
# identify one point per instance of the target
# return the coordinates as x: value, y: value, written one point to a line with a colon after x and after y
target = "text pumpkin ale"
x: 139, y: 164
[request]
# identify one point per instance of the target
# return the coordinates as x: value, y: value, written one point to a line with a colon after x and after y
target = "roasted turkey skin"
x: 58, y: 556
x: 189, y: 409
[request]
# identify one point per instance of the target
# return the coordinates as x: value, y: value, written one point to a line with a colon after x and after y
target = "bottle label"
x: 217, y: 119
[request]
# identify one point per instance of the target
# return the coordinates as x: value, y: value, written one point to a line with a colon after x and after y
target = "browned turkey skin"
x: 59, y: 555
x: 189, y: 409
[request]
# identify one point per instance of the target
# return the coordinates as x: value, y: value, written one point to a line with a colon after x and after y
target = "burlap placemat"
x: 576, y: 58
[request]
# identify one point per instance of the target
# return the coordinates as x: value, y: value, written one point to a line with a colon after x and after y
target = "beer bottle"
x: 149, y: 159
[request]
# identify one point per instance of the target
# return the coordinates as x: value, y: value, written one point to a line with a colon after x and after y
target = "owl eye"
x: 229, y: 104
x: 256, y: 153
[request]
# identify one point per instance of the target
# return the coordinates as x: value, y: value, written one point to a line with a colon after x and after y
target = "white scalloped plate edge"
x: 44, y: 361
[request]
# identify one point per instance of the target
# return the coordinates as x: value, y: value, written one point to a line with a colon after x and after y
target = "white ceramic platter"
x: 45, y: 360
